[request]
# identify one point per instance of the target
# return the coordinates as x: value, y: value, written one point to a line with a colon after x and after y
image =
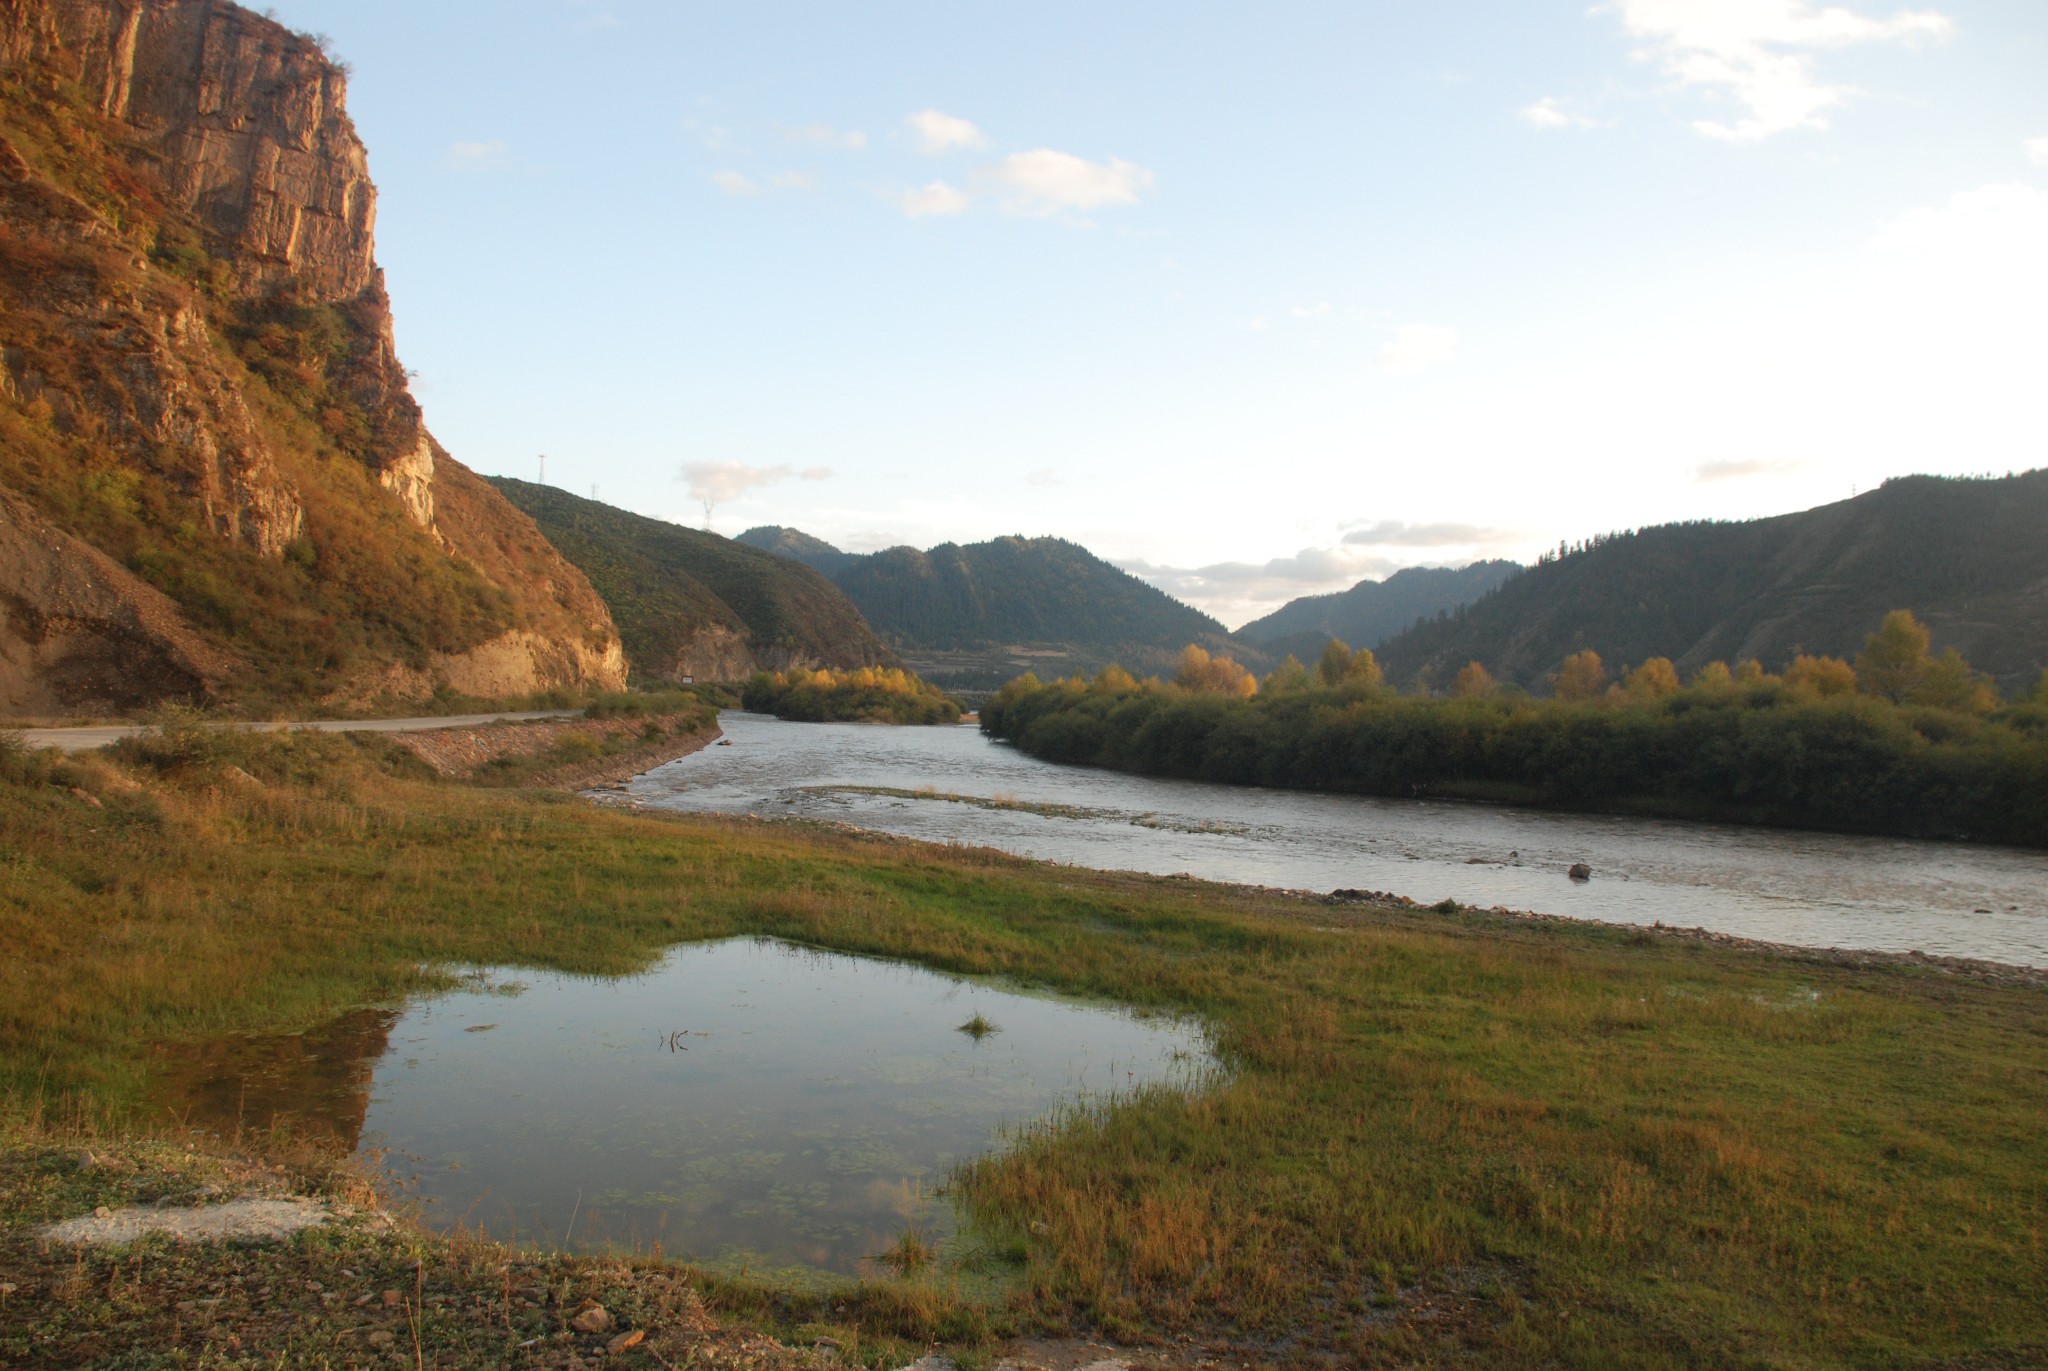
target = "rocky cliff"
x: 198, y: 384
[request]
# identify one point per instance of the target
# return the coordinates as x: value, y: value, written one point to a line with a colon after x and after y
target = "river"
x: 953, y: 785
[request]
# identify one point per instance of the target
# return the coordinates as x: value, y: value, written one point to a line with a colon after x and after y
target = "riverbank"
x: 1446, y: 1136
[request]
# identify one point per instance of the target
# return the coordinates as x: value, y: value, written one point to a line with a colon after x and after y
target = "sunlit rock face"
x: 196, y: 304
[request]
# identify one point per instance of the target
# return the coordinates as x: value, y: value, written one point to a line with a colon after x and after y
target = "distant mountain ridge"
x: 1373, y: 611
x: 1968, y: 556
x: 978, y: 613
x: 694, y: 604
x: 799, y: 546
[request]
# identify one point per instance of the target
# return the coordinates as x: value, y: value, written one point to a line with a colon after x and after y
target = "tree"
x: 1474, y: 682
x: 1751, y: 673
x: 1341, y: 666
x: 1713, y: 676
x: 1821, y: 676
x: 1582, y: 677
x: 1201, y: 674
x: 1114, y: 680
x: 1949, y: 683
x: 1290, y: 675
x: 1652, y: 680
x: 1894, y: 659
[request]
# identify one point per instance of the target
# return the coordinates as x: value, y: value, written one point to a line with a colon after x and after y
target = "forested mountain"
x: 690, y: 603
x: 1372, y: 611
x: 214, y: 484
x: 973, y: 616
x: 797, y: 545
x: 1968, y: 556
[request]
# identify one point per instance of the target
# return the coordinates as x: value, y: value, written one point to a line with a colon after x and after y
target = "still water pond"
x: 1809, y: 888
x: 746, y: 1100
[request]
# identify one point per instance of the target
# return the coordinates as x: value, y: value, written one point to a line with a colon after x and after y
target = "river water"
x: 954, y: 785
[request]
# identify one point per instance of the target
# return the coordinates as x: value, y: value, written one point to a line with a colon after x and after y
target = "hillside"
x: 797, y: 545
x: 217, y: 486
x: 690, y: 603
x: 1373, y: 611
x: 1969, y: 557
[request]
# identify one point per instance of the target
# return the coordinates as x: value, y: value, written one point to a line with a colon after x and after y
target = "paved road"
x: 86, y: 739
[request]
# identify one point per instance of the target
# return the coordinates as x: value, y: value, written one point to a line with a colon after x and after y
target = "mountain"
x: 971, y: 617
x: 799, y: 546
x: 1969, y: 557
x: 1373, y: 611
x: 216, y: 484
x: 690, y: 603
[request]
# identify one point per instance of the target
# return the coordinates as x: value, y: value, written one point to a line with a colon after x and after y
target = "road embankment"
x: 560, y: 754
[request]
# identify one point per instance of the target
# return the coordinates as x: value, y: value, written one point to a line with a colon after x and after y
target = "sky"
x: 1255, y: 301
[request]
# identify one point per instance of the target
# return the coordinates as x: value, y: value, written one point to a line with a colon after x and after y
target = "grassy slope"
x: 663, y: 582
x: 1583, y: 1146
x: 1967, y: 556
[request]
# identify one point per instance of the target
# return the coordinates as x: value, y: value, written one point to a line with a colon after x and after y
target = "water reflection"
x: 745, y: 1101
x: 314, y: 1085
x: 1815, y: 889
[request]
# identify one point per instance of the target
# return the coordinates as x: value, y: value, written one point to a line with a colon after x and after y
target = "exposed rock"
x: 243, y: 1220
x: 1580, y: 872
x: 593, y: 1318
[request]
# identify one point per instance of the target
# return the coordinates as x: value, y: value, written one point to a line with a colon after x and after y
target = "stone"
x: 382, y: 1337
x: 626, y: 1340
x: 1580, y: 872
x: 593, y: 1318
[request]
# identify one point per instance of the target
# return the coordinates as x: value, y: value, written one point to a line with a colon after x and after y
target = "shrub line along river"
x: 954, y: 785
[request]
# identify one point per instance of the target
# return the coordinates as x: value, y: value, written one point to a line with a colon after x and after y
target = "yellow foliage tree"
x: 1202, y: 674
x: 1289, y: 675
x: 1114, y: 680
x: 1894, y: 658
x: 1751, y: 673
x: 1713, y: 676
x: 1949, y: 683
x: 1582, y: 677
x: 1820, y: 676
x: 1474, y: 682
x: 1652, y: 680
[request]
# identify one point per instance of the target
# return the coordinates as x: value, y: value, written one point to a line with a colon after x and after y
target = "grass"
x: 1444, y: 1135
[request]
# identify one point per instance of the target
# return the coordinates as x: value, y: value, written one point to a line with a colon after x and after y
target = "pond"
x: 746, y: 1102
x: 954, y: 785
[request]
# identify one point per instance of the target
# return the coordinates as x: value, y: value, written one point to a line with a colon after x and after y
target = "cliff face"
x: 197, y: 376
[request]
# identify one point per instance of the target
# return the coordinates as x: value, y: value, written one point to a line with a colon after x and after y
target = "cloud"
x: 1706, y: 473
x: 793, y: 180
x: 1418, y: 347
x: 1396, y: 533
x: 491, y: 156
x: 2037, y: 151
x: 717, y: 482
x: 1045, y: 182
x: 1759, y: 53
x: 825, y: 136
x: 733, y: 183
x: 1044, y: 477
x: 1547, y: 113
x: 935, y: 201
x: 940, y: 133
x: 1315, y: 311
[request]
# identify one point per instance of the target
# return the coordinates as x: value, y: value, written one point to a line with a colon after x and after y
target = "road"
x: 86, y: 739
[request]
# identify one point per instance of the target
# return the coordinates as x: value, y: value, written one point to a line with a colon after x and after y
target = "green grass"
x: 1576, y: 1145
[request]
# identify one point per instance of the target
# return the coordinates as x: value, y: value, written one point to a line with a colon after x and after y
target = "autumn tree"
x: 1202, y: 674
x: 1582, y: 677
x: 1474, y: 682
x: 1949, y: 683
x: 1288, y: 676
x: 1114, y: 680
x: 1652, y: 680
x: 1820, y: 676
x: 1894, y: 659
x: 1752, y: 673
x: 1713, y: 676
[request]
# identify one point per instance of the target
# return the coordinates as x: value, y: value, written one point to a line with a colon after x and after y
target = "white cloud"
x: 1706, y: 473
x: 793, y: 180
x: 935, y: 201
x: 1315, y: 311
x: 1547, y: 113
x: 1397, y: 533
x: 717, y: 482
x: 2037, y: 151
x: 491, y: 156
x: 1045, y: 182
x: 1418, y: 347
x: 733, y: 183
x: 1758, y: 52
x: 1044, y: 478
x: 939, y: 133
x: 825, y: 136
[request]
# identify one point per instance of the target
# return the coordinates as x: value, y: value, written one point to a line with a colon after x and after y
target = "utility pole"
x: 543, y: 468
